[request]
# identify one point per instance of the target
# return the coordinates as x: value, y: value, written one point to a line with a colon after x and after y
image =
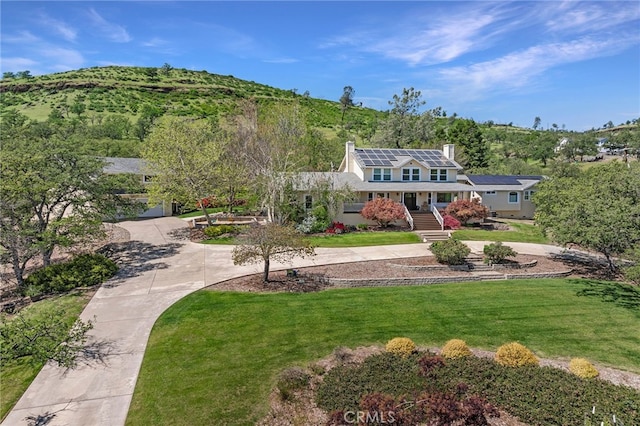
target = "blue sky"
x: 571, y: 63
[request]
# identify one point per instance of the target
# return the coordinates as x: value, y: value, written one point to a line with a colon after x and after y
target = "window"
x: 370, y: 196
x: 513, y: 197
x: 147, y: 178
x: 382, y: 195
x: 438, y: 174
x: 410, y: 173
x: 444, y: 197
x: 527, y: 195
x: 308, y: 202
x: 489, y: 192
x: 381, y: 174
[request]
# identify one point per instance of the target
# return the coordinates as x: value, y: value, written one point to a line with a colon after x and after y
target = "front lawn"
x: 212, y: 358
x: 521, y: 233
x: 351, y: 239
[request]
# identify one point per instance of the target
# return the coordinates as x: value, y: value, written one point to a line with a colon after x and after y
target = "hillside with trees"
x: 111, y: 111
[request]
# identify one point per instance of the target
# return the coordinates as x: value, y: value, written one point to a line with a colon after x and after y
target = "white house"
x: 506, y: 195
x: 425, y: 181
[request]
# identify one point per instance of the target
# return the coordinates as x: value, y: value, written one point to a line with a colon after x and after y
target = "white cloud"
x: 62, y: 59
x: 17, y: 64
x: 154, y: 42
x: 65, y: 31
x: 23, y: 37
x: 517, y: 70
x: 580, y: 17
x: 281, y: 61
x: 113, y: 32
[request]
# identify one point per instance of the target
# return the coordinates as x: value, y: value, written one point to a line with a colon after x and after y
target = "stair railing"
x: 438, y: 216
x: 408, y: 216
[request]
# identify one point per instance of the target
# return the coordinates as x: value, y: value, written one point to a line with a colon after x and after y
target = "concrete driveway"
x: 159, y: 268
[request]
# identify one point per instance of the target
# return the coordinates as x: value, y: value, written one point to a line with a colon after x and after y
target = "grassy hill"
x: 181, y: 92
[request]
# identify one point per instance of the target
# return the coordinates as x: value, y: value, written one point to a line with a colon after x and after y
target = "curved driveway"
x: 159, y: 268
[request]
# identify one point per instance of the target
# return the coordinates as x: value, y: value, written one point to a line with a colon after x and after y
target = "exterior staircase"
x: 426, y: 225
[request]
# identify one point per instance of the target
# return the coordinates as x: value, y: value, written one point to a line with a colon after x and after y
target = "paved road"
x: 162, y: 267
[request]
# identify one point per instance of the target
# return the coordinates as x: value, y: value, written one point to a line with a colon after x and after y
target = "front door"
x: 410, y: 200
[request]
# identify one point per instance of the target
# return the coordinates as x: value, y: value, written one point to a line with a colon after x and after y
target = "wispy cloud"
x: 281, y: 61
x: 580, y: 17
x: 113, y: 32
x: 154, y: 42
x: 433, y: 38
x: 62, y: 59
x: 519, y: 69
x: 22, y: 37
x: 61, y: 28
x: 17, y: 63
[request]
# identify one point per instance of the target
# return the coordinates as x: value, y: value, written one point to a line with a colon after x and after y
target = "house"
x: 506, y: 195
x: 425, y: 181
x: 137, y: 168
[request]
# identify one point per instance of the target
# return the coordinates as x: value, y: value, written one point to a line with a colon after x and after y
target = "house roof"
x: 341, y: 179
x: 389, y: 157
x: 120, y: 165
x: 502, y: 182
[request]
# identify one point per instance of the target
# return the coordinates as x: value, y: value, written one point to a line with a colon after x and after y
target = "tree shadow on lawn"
x: 136, y: 257
x: 622, y: 295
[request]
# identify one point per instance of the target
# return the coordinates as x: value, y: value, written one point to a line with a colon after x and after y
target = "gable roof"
x: 503, y: 182
x: 118, y: 165
x: 391, y: 157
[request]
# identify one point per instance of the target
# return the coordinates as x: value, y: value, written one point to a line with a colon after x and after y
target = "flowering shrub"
x: 336, y: 228
x: 383, y: 211
x: 450, y: 222
x: 515, y: 355
x: 455, y: 348
x: 583, y: 368
x: 465, y: 210
x: 401, y: 346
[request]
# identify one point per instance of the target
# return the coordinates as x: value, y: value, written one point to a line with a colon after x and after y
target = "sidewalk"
x: 162, y: 268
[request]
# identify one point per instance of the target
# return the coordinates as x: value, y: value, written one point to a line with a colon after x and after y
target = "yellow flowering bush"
x: 401, y: 346
x: 455, y: 348
x: 515, y: 355
x: 583, y: 368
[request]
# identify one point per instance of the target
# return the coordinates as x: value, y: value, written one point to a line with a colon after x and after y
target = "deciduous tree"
x: 383, y: 211
x: 597, y: 209
x: 264, y: 243
x: 465, y: 210
x: 50, y: 196
x: 183, y: 157
x: 346, y: 100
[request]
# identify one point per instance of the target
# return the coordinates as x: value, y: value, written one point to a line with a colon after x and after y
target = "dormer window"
x: 411, y: 174
x: 381, y: 174
x: 438, y: 175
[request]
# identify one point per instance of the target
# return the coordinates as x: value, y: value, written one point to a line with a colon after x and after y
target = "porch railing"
x: 408, y: 216
x: 438, y: 216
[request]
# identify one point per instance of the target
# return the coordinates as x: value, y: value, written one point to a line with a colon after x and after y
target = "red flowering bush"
x: 465, y: 210
x: 451, y: 222
x: 383, y: 211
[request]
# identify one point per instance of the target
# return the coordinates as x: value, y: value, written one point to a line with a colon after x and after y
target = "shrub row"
x: 82, y: 271
x: 454, y: 252
x: 536, y: 395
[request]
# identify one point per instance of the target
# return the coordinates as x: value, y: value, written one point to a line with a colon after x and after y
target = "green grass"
x: 521, y: 233
x: 16, y: 376
x: 355, y: 239
x: 213, y: 356
x: 362, y: 239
